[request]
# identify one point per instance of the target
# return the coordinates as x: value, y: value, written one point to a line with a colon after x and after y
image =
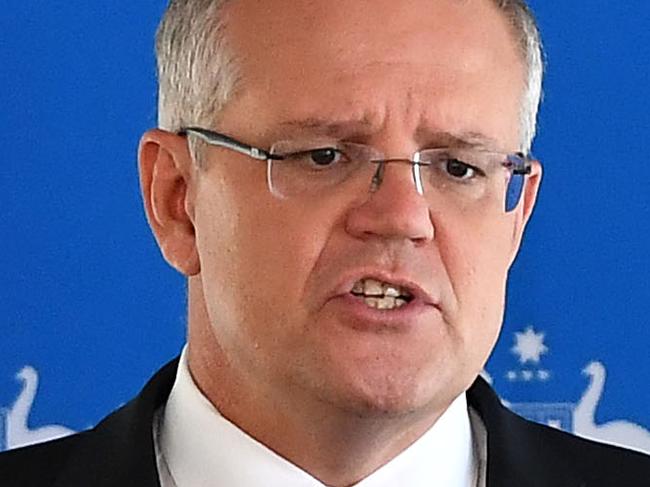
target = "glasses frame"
x: 513, y: 191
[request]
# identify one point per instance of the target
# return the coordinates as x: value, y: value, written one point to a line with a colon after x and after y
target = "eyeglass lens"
x: 462, y: 177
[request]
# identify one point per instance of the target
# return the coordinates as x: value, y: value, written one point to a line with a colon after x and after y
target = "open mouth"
x: 381, y: 295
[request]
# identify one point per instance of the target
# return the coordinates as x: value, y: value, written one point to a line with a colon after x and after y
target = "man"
x: 345, y: 185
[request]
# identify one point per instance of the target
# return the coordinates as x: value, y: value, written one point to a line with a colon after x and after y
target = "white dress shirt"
x: 197, y: 447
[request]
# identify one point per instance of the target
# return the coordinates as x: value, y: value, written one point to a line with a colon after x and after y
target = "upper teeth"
x: 381, y: 295
x: 372, y: 287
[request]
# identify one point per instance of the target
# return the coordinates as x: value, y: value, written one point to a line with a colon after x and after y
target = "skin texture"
x: 270, y: 344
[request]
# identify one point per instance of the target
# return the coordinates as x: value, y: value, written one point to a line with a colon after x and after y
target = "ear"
x: 166, y: 180
x: 526, y: 206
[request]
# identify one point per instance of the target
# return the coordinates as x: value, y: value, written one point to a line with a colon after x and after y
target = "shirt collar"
x: 202, y: 448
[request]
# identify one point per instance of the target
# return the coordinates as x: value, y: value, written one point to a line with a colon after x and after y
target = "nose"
x: 393, y: 209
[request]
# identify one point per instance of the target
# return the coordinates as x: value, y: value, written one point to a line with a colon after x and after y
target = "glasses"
x: 318, y: 168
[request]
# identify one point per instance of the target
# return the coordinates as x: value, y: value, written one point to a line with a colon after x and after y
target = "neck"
x: 337, y: 446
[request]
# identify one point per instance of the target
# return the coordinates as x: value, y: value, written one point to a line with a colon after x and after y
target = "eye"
x: 324, y: 157
x: 459, y: 169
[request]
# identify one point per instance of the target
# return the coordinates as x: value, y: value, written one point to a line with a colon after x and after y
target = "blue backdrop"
x: 90, y: 306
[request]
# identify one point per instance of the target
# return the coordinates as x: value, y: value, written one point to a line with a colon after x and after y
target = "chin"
x: 384, y: 374
x: 396, y: 395
x: 382, y: 406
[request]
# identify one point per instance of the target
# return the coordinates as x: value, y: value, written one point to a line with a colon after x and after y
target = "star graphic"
x: 511, y: 375
x: 529, y: 346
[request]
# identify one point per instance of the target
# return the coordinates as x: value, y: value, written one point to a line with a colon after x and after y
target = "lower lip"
x: 357, y: 314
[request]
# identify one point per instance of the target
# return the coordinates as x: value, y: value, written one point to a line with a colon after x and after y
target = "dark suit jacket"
x: 120, y: 450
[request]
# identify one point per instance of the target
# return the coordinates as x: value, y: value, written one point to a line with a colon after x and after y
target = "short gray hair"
x: 197, y: 72
x: 530, y: 45
x: 196, y: 69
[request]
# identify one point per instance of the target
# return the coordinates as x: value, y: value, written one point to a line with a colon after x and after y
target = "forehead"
x: 421, y: 60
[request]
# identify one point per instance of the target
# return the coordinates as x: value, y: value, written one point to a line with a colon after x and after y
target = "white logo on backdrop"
x: 17, y: 429
x: 578, y: 418
x: 623, y: 433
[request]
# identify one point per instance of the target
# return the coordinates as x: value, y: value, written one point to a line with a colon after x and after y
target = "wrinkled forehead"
x: 341, y: 31
x: 366, y: 48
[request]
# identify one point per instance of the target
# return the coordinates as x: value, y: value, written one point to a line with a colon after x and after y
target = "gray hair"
x: 530, y: 44
x: 197, y: 71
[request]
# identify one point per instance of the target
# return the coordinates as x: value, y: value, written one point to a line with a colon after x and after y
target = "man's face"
x: 276, y: 274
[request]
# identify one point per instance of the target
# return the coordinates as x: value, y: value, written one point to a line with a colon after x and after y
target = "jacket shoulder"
x: 598, y: 464
x: 522, y: 452
x: 36, y: 465
x: 119, y: 451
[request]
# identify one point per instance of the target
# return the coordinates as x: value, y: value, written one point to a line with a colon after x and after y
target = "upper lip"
x: 416, y: 290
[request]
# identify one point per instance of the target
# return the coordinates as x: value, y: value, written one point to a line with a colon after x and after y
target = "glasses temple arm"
x: 220, y: 140
x: 524, y: 169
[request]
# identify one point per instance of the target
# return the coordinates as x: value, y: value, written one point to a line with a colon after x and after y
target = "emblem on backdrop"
x: 14, y: 420
x: 528, y: 350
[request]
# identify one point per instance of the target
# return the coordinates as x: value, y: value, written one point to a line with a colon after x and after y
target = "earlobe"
x: 166, y: 181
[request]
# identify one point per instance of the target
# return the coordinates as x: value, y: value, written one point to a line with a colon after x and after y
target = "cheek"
x: 255, y: 258
x: 476, y: 253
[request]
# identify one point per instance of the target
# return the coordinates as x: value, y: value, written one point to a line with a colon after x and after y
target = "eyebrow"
x: 366, y: 127
x: 323, y: 127
x: 468, y: 139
